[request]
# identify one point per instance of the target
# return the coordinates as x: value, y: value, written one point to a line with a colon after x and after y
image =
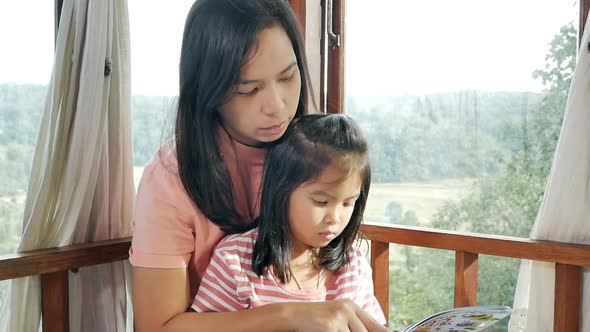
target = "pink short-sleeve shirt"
x: 169, y: 231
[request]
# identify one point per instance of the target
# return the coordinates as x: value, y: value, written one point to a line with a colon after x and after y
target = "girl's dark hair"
x: 310, y: 144
x: 217, y: 36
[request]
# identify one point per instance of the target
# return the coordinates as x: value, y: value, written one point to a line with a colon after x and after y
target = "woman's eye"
x: 320, y: 203
x: 248, y: 93
x: 287, y: 79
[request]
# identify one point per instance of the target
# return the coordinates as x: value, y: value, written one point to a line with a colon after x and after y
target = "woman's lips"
x: 274, y: 130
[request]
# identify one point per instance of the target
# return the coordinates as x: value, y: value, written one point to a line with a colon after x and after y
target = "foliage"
x: 504, y: 202
x: 152, y: 125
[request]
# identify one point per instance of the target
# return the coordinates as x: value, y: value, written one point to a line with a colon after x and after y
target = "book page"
x: 467, y: 319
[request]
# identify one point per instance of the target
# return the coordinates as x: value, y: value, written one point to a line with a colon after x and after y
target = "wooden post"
x: 55, y: 302
x: 335, y: 99
x: 466, y: 269
x: 568, y: 295
x: 300, y: 9
x: 380, y: 266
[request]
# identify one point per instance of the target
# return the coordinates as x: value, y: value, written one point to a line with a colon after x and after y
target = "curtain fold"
x: 81, y: 185
x: 564, y: 214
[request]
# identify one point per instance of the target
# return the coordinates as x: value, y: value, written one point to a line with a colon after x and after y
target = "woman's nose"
x: 273, y: 101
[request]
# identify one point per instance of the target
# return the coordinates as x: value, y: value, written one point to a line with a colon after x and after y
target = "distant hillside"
x: 441, y: 136
x: 413, y: 138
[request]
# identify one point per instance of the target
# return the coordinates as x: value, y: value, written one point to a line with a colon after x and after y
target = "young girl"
x: 243, y: 78
x: 316, y: 183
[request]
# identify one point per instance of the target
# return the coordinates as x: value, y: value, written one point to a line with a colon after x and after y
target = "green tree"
x: 504, y: 203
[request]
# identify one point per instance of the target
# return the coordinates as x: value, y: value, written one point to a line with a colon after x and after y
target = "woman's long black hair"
x: 310, y: 144
x: 217, y: 37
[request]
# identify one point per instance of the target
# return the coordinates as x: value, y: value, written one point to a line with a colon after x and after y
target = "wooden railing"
x: 569, y: 259
x: 53, y: 266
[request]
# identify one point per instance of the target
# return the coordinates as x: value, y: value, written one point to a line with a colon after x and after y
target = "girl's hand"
x: 334, y: 316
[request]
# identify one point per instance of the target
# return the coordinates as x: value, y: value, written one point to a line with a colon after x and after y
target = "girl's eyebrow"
x: 282, y: 72
x: 323, y: 193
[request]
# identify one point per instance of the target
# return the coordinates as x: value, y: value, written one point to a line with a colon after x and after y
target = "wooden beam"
x: 63, y: 258
x: 380, y: 267
x: 55, y: 302
x: 335, y: 98
x: 584, y: 8
x: 58, y: 5
x: 300, y: 9
x: 568, y: 296
x: 484, y: 244
x: 466, y: 272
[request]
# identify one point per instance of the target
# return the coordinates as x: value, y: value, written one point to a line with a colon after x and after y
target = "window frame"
x: 333, y: 59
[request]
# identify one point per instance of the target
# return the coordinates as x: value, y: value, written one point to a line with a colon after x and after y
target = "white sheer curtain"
x: 81, y: 186
x: 564, y: 214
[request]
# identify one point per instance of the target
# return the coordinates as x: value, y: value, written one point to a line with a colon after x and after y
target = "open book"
x: 466, y: 319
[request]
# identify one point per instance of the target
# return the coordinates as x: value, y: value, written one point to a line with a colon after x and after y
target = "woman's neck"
x: 235, y: 139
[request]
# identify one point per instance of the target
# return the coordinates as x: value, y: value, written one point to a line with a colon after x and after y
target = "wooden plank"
x: 568, y: 295
x: 380, y: 266
x: 300, y: 9
x: 63, y: 258
x: 55, y: 302
x: 483, y: 244
x: 584, y: 8
x: 58, y: 5
x: 335, y: 98
x: 323, y: 56
x: 466, y: 272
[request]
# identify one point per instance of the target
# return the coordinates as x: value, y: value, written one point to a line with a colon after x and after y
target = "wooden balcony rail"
x: 569, y: 260
x: 53, y: 266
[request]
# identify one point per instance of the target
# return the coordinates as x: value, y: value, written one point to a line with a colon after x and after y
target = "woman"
x: 243, y: 78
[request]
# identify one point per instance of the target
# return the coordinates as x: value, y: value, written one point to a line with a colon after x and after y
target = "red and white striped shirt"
x: 230, y: 284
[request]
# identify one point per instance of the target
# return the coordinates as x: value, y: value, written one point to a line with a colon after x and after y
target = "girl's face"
x: 266, y: 99
x: 319, y: 210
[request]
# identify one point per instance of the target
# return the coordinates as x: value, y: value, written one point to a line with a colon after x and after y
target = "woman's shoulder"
x: 161, y: 181
x: 163, y: 167
x: 164, y: 159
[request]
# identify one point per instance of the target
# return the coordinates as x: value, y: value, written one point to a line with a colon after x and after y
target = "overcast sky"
x: 393, y: 46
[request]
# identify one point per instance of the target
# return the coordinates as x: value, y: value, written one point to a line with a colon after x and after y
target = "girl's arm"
x: 161, y: 297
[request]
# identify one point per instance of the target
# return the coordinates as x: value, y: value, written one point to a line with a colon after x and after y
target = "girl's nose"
x: 333, y: 216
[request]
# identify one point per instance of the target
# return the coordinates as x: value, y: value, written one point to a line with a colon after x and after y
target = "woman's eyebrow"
x: 282, y: 72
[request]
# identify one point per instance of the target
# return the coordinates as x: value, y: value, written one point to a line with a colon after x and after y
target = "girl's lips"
x: 327, y: 235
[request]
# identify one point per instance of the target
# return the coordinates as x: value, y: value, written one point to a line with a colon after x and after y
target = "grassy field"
x: 422, y: 198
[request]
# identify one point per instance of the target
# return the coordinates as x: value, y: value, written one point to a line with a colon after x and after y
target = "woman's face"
x: 266, y: 99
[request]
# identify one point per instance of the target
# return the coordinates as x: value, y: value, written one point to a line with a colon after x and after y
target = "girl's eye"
x: 320, y: 203
x: 249, y: 93
x: 350, y: 203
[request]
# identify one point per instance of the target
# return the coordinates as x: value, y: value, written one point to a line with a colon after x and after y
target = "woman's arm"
x: 161, y: 297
